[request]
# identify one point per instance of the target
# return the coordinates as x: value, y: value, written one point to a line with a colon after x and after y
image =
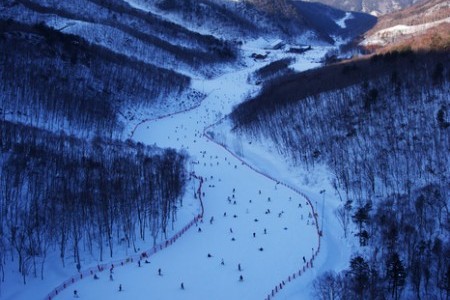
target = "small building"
x: 276, y: 45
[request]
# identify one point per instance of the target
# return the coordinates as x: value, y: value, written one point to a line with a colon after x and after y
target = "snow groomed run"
x: 253, y: 236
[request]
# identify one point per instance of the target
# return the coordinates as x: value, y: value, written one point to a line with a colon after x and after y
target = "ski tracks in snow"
x: 251, y: 219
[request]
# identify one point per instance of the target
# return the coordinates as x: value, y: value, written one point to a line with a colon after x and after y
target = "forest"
x: 61, y: 82
x: 69, y: 184
x: 168, y: 40
x: 60, y: 194
x: 385, y: 139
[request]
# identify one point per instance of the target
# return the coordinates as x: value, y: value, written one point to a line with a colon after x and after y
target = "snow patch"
x: 392, y: 34
x: 341, y: 22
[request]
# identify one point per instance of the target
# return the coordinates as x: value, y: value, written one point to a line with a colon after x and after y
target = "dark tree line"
x: 73, y: 197
x: 173, y: 40
x: 249, y: 19
x: 60, y: 81
x: 205, y: 11
x: 271, y: 71
x: 385, y: 138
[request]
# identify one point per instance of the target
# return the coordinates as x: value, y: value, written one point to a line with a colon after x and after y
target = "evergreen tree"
x: 359, y: 275
x: 396, y: 274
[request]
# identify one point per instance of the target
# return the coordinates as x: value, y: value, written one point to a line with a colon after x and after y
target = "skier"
x: 159, y: 272
x: 95, y: 276
x: 120, y: 287
x: 239, y: 267
x: 139, y: 263
x: 199, y: 229
x: 241, y: 278
x: 209, y: 255
x: 222, y: 262
x: 254, y: 234
x: 111, y: 277
x: 304, y: 259
x: 231, y: 230
x: 182, y: 286
x: 211, y: 220
x: 75, y: 294
x: 265, y: 231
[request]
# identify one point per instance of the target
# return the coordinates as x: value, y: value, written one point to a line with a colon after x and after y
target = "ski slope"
x: 252, y: 219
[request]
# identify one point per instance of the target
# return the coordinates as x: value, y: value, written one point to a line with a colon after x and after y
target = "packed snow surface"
x: 253, y: 226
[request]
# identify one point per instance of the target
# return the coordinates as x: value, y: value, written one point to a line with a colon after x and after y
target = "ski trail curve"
x: 255, y: 220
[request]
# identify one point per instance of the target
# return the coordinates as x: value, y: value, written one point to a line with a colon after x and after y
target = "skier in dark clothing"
x: 159, y: 272
x: 120, y: 287
x: 182, y: 286
x: 241, y: 278
x: 239, y: 267
x: 75, y: 293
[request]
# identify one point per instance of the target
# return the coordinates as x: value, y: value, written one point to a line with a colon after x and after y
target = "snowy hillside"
x: 399, y: 32
x: 379, y: 125
x: 251, y: 220
x: 122, y: 174
x: 424, y: 25
x: 375, y: 7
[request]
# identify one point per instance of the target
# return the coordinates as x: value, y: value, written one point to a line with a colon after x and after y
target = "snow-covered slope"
x: 420, y: 20
x: 250, y: 219
x: 375, y: 7
x: 162, y: 75
x: 400, y: 32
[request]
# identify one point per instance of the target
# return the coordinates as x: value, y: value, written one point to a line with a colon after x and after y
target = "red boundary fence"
x: 143, y: 255
x: 309, y: 263
x: 100, y: 268
x: 167, y: 243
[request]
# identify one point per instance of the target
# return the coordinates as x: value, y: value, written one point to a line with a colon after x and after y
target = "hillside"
x: 293, y: 21
x: 109, y: 154
x: 422, y: 26
x: 376, y: 7
x: 124, y: 29
x: 384, y: 139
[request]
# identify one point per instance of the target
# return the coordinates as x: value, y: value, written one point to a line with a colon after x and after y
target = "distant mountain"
x: 334, y: 22
x: 422, y: 26
x: 287, y: 19
x: 376, y: 7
